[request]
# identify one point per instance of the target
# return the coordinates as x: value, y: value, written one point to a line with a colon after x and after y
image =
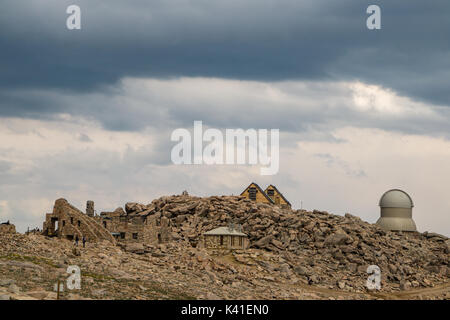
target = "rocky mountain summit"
x: 293, y: 254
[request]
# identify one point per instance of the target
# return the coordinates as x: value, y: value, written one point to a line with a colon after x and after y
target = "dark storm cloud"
x: 293, y: 107
x: 258, y: 40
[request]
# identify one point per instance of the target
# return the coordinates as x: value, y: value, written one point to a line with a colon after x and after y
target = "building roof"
x: 260, y: 190
x: 224, y: 231
x: 279, y: 193
x: 396, y: 198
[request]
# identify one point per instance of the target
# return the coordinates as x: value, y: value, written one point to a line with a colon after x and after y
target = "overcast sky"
x: 88, y: 114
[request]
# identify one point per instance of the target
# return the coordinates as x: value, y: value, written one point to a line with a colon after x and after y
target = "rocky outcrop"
x: 317, y: 243
x: 294, y: 254
x: 31, y: 265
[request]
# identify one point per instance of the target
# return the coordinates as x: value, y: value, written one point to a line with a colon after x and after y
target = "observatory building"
x: 396, y: 211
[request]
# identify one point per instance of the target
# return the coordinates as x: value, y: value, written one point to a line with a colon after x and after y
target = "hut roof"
x: 276, y: 189
x: 224, y: 231
x: 260, y: 190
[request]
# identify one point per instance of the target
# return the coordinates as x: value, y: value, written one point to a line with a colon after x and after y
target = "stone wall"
x: 133, y: 227
x: 7, y: 228
x: 157, y: 229
x: 225, y: 242
x: 68, y: 222
x: 90, y: 208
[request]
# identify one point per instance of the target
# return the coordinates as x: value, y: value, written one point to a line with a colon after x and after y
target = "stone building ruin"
x: 132, y: 225
x: 7, y: 227
x: 68, y: 222
x: 90, y: 208
x: 146, y: 226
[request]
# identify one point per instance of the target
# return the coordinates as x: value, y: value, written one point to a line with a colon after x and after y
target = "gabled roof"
x: 279, y: 193
x: 224, y: 231
x: 260, y: 190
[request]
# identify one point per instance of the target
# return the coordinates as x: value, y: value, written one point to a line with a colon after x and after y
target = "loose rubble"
x: 293, y: 254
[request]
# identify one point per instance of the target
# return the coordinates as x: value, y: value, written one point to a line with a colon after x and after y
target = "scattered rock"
x: 40, y: 295
x: 337, y: 239
x: 289, y: 248
x: 6, y: 282
x: 302, y: 271
x: 14, y: 289
x: 135, y: 248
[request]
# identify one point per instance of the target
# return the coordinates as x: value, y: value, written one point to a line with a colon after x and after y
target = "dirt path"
x: 440, y: 291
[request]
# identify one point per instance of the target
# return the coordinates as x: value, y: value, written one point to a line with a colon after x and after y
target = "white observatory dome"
x: 396, y: 211
x: 396, y: 198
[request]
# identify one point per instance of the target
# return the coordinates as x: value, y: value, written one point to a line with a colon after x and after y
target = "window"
x: 122, y: 235
x: 159, y: 238
x: 135, y: 236
x: 271, y: 192
x: 252, y: 193
x: 221, y: 240
x: 64, y: 223
x: 104, y: 224
x: 79, y: 223
x: 71, y: 220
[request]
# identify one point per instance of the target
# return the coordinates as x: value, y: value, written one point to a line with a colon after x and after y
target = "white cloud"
x: 417, y: 164
x: 331, y: 156
x: 382, y: 101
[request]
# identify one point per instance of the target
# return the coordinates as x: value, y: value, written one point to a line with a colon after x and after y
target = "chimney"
x: 90, y: 208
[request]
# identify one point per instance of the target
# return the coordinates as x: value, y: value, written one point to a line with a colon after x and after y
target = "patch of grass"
x: 177, y: 295
x: 156, y: 291
x: 96, y: 276
x: 32, y: 259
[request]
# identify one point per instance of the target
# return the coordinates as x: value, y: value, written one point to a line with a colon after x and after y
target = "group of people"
x: 84, y: 240
x: 35, y: 230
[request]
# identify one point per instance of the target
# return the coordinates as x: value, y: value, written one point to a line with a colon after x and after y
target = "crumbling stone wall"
x: 90, y: 208
x: 122, y: 227
x: 134, y: 227
x: 7, y: 228
x: 68, y: 222
x: 157, y: 229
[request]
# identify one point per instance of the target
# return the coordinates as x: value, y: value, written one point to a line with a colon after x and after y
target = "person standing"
x: 84, y: 242
x: 76, y: 240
